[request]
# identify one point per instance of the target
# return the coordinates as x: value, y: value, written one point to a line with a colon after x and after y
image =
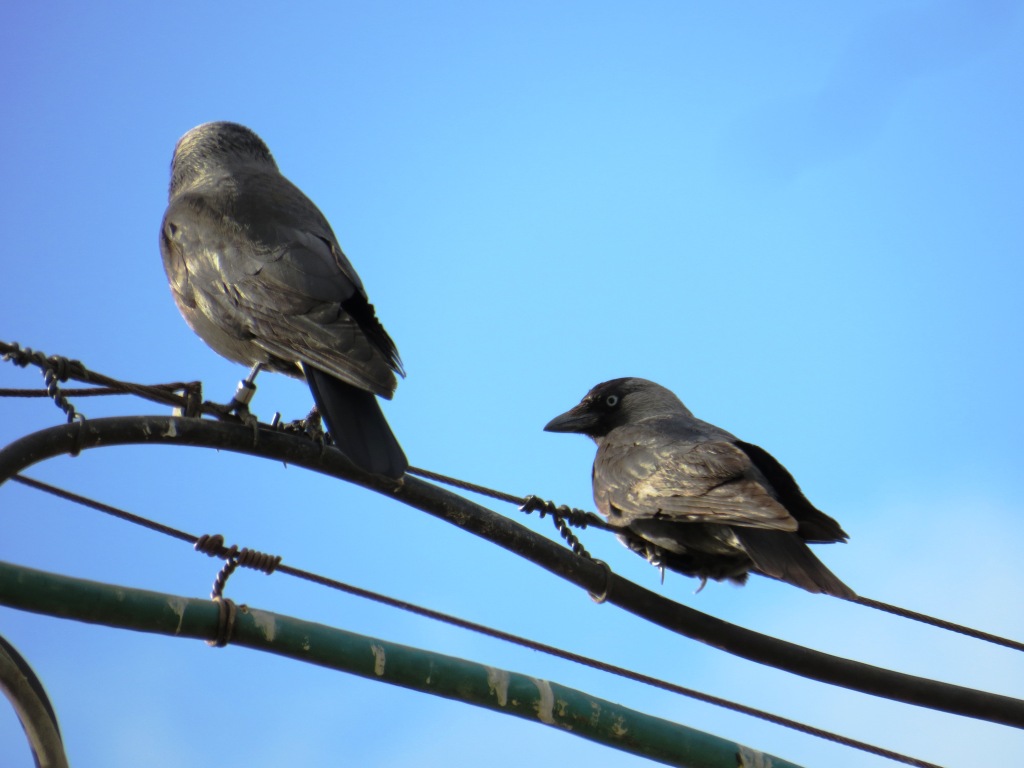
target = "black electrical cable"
x: 214, y: 545
x: 588, y: 574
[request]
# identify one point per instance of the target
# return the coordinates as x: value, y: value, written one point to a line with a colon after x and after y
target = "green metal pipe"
x: 507, y: 692
x: 278, y: 445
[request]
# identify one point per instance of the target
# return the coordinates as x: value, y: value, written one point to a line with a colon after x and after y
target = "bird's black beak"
x: 580, y: 419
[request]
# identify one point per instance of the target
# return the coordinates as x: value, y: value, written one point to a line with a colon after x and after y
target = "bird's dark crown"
x: 614, y: 403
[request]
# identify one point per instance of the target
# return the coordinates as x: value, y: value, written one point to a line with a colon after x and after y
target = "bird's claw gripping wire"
x: 651, y: 553
x: 311, y: 426
x: 655, y: 556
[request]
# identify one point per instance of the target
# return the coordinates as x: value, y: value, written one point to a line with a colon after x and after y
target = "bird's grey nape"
x: 211, y: 148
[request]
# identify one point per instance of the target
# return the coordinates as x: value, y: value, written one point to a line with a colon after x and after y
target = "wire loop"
x: 225, y: 622
x: 213, y: 545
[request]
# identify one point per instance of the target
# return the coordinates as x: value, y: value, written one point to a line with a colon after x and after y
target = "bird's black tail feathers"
x: 784, y: 556
x: 357, y: 424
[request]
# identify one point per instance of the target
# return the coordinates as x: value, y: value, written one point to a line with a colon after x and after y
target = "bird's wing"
x: 642, y: 474
x: 815, y: 525
x: 267, y: 266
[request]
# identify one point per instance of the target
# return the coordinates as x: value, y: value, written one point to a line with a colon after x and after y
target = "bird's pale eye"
x: 611, y: 401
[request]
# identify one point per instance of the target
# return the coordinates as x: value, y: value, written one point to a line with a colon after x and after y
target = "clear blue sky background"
x: 803, y: 218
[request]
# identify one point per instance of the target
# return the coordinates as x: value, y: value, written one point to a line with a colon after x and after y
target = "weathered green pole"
x: 508, y: 692
x: 270, y: 443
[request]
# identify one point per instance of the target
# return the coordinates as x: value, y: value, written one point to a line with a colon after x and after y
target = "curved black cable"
x: 587, y: 574
x: 214, y: 545
x: 57, y: 369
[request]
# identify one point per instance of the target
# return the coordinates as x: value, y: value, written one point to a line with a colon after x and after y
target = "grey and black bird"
x: 258, y: 274
x: 692, y: 497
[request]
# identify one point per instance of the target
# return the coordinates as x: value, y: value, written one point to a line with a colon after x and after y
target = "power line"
x: 565, y: 516
x: 57, y: 369
x: 590, y: 575
x: 226, y: 552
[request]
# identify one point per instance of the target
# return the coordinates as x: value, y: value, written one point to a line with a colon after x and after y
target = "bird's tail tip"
x: 357, y: 425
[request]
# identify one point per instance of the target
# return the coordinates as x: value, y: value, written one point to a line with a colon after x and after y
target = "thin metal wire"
x: 562, y: 516
x: 106, y: 509
x: 904, y: 613
x: 190, y: 401
x: 64, y: 368
x: 77, y: 391
x: 582, y: 519
x: 214, y: 546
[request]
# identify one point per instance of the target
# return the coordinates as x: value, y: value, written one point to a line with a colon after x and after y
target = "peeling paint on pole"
x: 265, y: 624
x: 546, y: 702
x: 379, y: 659
x: 619, y: 727
x: 497, y: 683
x: 751, y: 758
x: 177, y: 606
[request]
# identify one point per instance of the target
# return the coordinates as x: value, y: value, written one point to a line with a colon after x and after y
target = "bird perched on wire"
x: 258, y: 274
x: 692, y: 497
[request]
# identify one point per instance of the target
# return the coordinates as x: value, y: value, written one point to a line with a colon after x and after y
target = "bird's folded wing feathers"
x: 309, y: 266
x: 275, y: 211
x: 815, y: 525
x: 292, y: 262
x: 701, y: 481
x: 289, y: 298
x: 370, y: 375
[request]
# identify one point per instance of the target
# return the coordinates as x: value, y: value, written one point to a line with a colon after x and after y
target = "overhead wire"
x: 212, y: 545
x: 57, y: 369
x: 187, y: 402
x: 582, y: 519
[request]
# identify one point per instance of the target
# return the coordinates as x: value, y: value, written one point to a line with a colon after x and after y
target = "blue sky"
x: 804, y: 219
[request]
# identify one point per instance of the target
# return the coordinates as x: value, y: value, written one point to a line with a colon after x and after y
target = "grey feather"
x: 692, y: 497
x: 258, y: 274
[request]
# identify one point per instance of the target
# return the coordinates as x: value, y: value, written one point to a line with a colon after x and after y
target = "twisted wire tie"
x: 55, y: 369
x: 225, y: 621
x: 79, y: 435
x: 213, y: 546
x: 563, y: 517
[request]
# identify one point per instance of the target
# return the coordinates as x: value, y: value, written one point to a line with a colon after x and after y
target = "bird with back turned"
x: 258, y: 274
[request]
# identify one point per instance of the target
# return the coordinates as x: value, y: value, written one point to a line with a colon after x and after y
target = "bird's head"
x: 216, y: 148
x: 615, y: 403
